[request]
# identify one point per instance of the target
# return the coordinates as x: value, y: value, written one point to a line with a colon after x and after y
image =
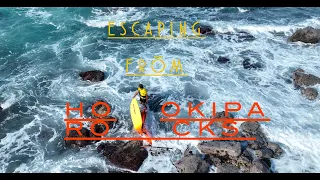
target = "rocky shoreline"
x: 225, y: 156
x: 233, y: 156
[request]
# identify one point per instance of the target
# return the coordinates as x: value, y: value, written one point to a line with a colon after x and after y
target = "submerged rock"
x: 93, y: 76
x: 129, y: 155
x: 192, y: 164
x: 238, y: 37
x: 245, y: 36
x: 0, y: 108
x: 306, y: 35
x: 151, y: 170
x: 223, y: 60
x: 205, y: 29
x: 248, y: 65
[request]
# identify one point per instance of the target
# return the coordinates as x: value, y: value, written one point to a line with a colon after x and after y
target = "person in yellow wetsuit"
x: 143, y: 100
x: 143, y: 95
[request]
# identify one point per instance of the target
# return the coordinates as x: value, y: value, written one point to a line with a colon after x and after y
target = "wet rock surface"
x: 259, y: 166
x: 192, y: 164
x: 85, y: 133
x: 253, y: 130
x: 303, y: 81
x: 223, y: 60
x: 128, y: 155
x: 94, y: 75
x: 235, y: 157
x: 205, y: 29
x: 227, y: 168
x: 101, y: 112
x: 310, y: 93
x: 306, y: 35
x: 221, y: 148
x: 276, y: 149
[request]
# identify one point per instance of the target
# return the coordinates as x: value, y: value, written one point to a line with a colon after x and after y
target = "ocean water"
x: 42, y: 50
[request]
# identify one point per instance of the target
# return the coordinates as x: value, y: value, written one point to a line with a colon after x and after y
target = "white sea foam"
x: 116, y: 15
x: 294, y: 122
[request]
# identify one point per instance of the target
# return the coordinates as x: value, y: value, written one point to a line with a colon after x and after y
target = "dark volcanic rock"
x: 306, y: 35
x: 223, y: 60
x: 250, y: 127
x: 206, y: 30
x: 277, y: 151
x: 259, y: 166
x: 238, y: 37
x: 0, y: 108
x: 155, y: 102
x: 264, y: 153
x: 192, y: 164
x: 260, y: 142
x: 227, y: 168
x: 309, y: 93
x: 301, y: 79
x: 101, y: 110
x: 99, y: 129
x: 221, y: 148
x: 244, y: 161
x: 230, y: 164
x: 128, y: 155
x: 245, y: 36
x: 93, y: 76
x: 78, y: 143
x: 248, y: 65
x: 213, y: 160
x: 221, y: 115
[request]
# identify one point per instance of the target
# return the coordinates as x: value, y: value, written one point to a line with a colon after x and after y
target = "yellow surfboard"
x: 136, y: 115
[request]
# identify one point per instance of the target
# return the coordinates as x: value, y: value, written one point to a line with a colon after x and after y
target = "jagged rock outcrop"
x: 94, y: 75
x: 306, y: 35
x: 128, y: 155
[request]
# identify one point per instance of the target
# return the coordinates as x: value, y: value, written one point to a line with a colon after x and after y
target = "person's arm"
x: 135, y: 94
x: 146, y: 98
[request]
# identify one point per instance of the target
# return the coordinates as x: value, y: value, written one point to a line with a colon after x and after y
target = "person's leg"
x: 143, y: 102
